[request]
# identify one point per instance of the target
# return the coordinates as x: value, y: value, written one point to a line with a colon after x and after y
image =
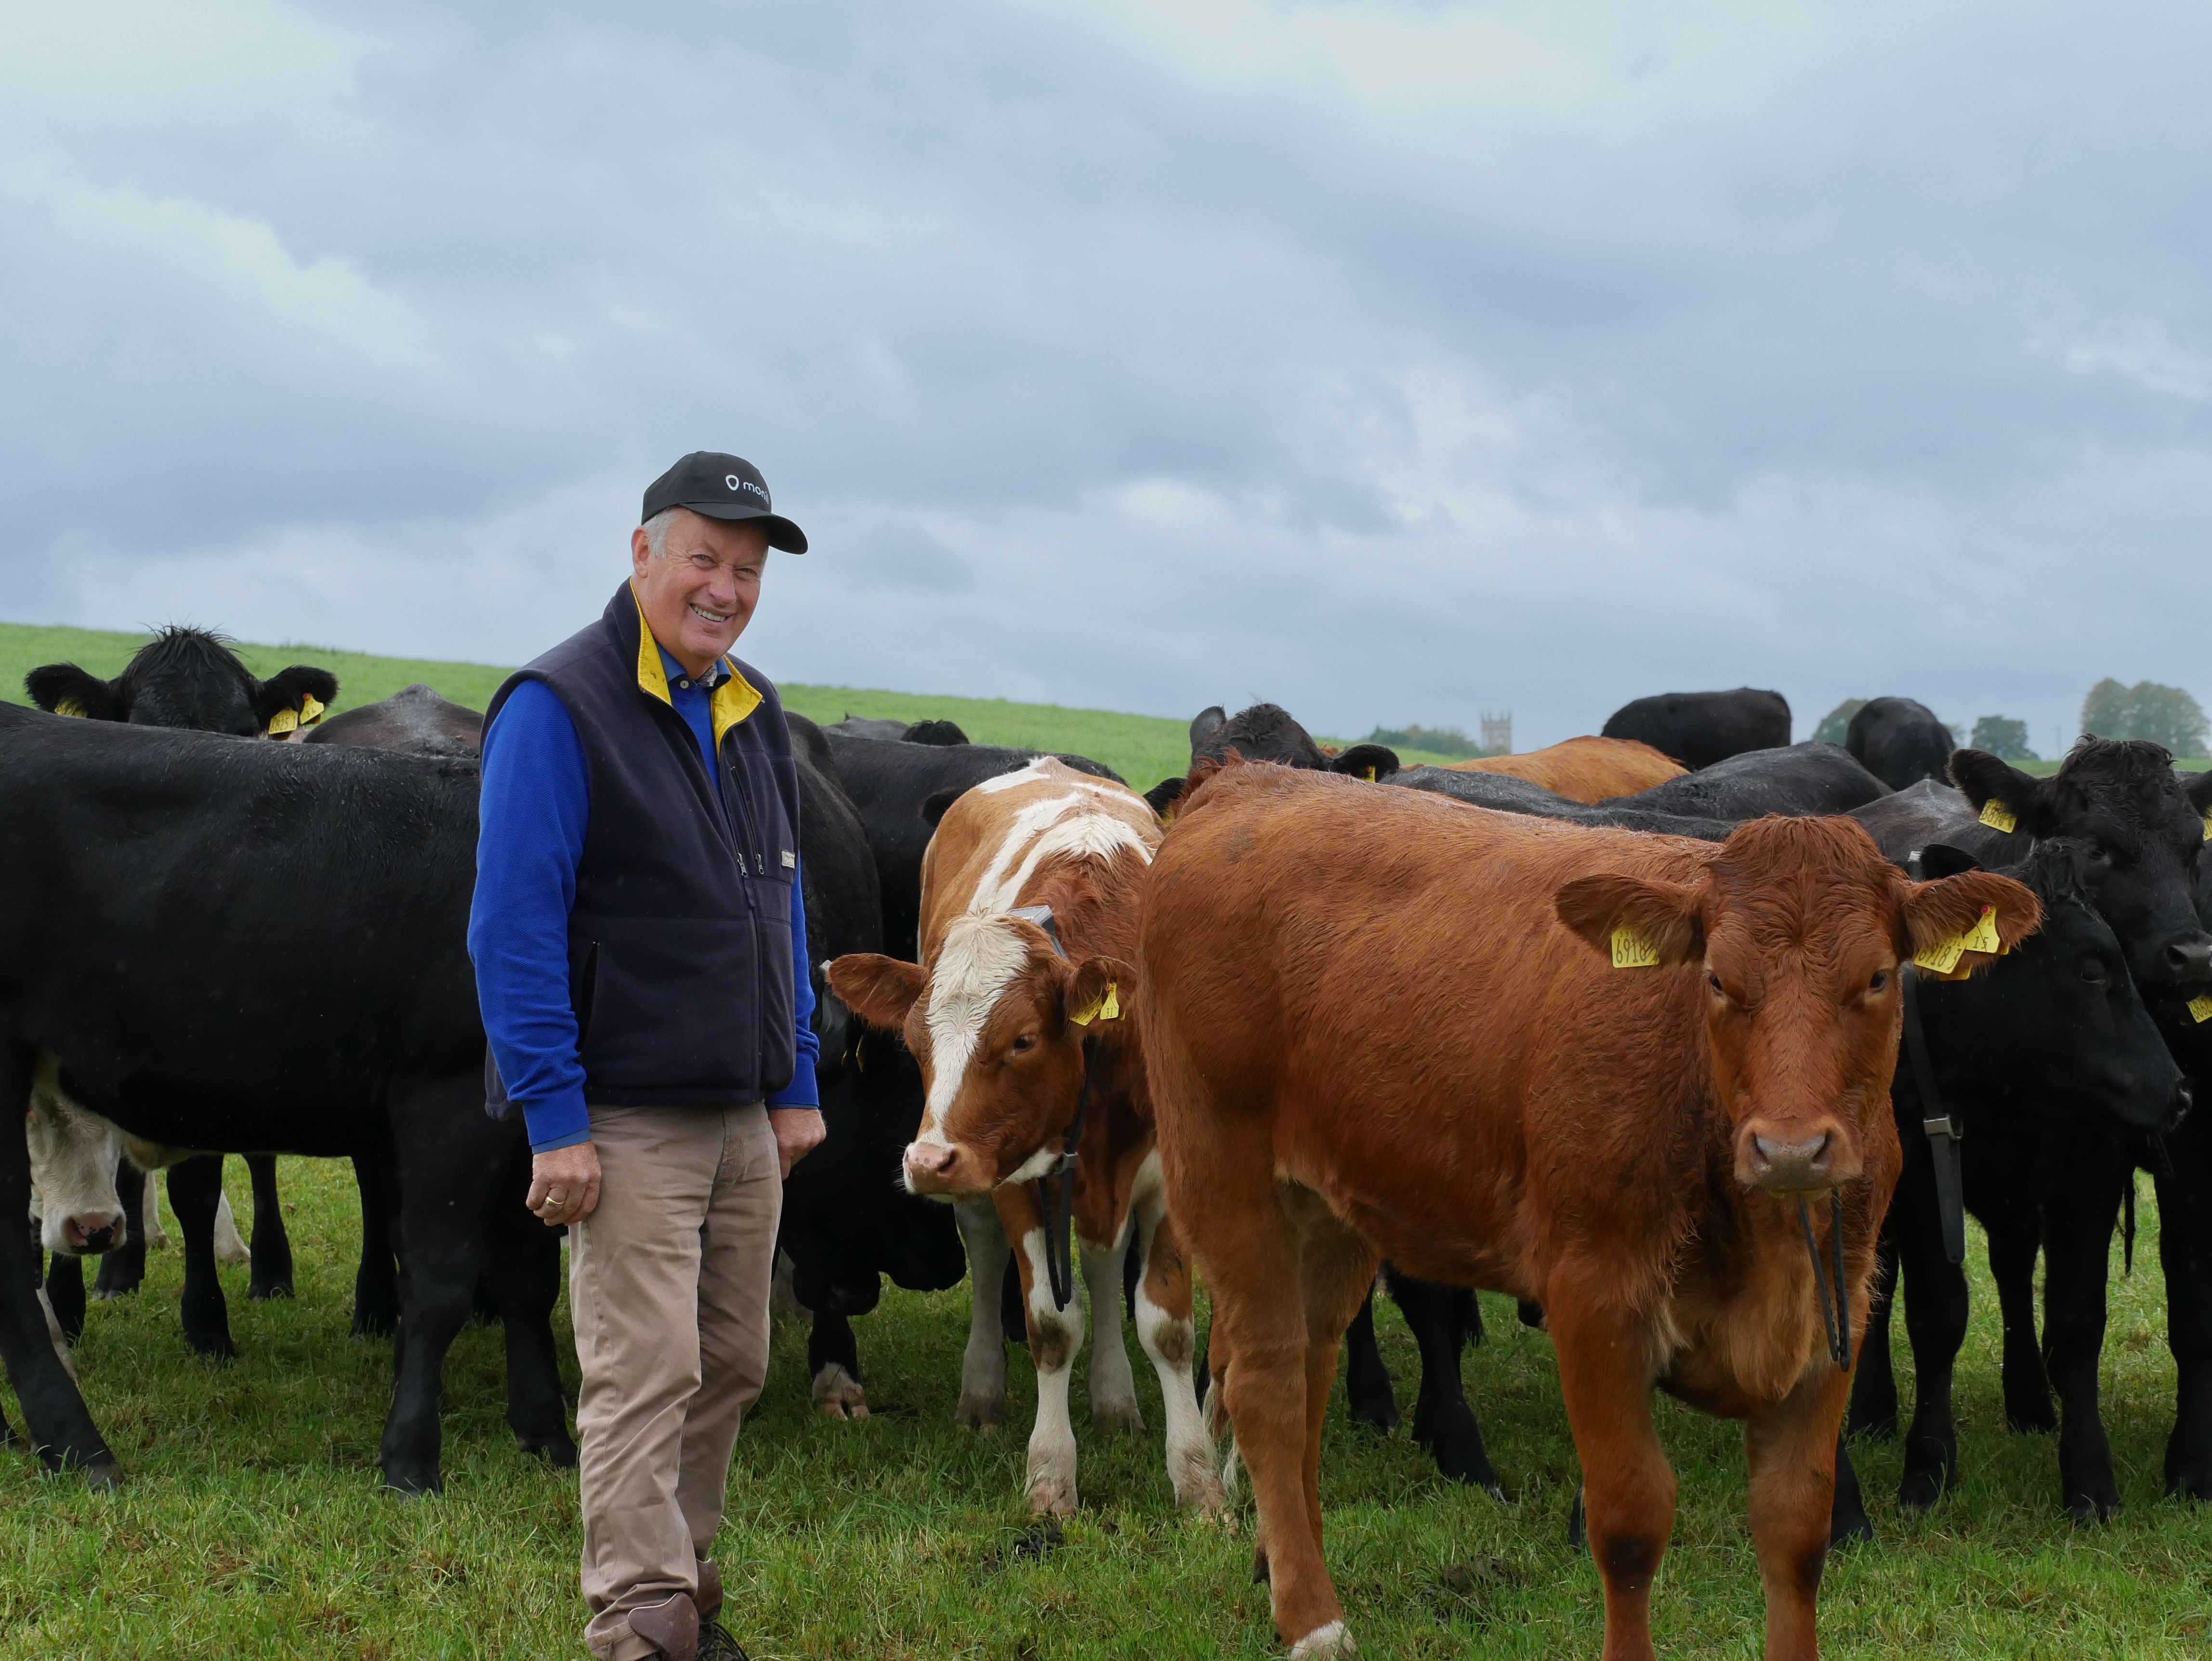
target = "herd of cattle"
x: 1695, y: 1042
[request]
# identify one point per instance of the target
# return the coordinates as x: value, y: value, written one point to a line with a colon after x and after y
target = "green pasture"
x: 251, y: 1523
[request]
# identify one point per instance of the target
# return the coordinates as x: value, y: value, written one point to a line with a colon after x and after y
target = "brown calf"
x: 1585, y: 769
x: 1008, y: 1011
x: 1382, y: 1023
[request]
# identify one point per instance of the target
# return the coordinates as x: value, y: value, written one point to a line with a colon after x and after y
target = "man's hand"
x: 798, y: 1132
x: 564, y: 1184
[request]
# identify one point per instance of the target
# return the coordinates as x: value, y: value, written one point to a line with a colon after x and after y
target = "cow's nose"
x: 2189, y: 960
x: 93, y: 1233
x: 2184, y: 1099
x: 1792, y: 1167
x: 929, y: 1166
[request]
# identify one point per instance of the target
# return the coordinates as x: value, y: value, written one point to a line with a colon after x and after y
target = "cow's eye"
x: 2099, y: 855
x: 1714, y: 982
x: 2094, y: 971
x: 1881, y: 979
x: 1024, y: 1044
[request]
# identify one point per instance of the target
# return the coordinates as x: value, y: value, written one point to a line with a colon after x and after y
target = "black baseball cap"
x: 721, y: 487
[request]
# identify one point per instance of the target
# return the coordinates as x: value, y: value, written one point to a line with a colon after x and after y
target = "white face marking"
x: 978, y: 960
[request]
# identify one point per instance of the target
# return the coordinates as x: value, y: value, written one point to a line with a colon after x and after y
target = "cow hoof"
x: 557, y: 1451
x: 1051, y: 1496
x: 1325, y: 1643
x: 2029, y: 1416
x: 263, y: 1294
x: 981, y: 1412
x: 103, y: 1476
x: 1919, y: 1491
x: 1117, y: 1415
x: 212, y: 1349
x: 2191, y: 1482
x: 838, y: 1394
x: 1852, y: 1530
x: 374, y: 1323
x: 2094, y: 1508
x: 412, y: 1480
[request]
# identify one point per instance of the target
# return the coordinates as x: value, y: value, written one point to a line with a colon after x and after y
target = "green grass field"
x: 253, y: 1524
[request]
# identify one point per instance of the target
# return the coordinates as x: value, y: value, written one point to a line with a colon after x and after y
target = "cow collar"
x: 732, y: 700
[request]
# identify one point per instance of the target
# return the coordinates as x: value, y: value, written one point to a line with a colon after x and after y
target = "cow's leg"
x: 65, y: 1294
x: 1367, y: 1393
x: 1873, y: 1373
x: 2077, y: 1245
x: 1055, y: 1339
x: 54, y: 1413
x: 2014, y: 1238
x: 1848, y: 1521
x: 376, y: 1282
x: 1113, y: 1386
x: 832, y: 1361
x: 2184, y: 1250
x: 1935, y: 1312
x: 983, y: 1368
x: 523, y: 1278
x: 1163, y: 1327
x: 1791, y: 1449
x: 452, y: 1163
x: 272, y: 1246
x: 124, y: 1269
x: 1628, y: 1491
x: 1443, y: 1421
x: 195, y: 1187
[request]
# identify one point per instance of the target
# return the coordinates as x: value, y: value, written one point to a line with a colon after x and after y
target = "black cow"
x: 188, y: 678
x: 1267, y: 731
x: 414, y: 721
x: 2144, y: 829
x: 1900, y: 741
x: 900, y: 731
x: 2045, y: 1051
x: 1504, y: 794
x: 1699, y: 729
x: 1794, y: 779
x: 848, y: 1220
x: 263, y: 948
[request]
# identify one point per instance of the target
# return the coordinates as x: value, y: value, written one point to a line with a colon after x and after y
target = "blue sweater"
x: 529, y: 838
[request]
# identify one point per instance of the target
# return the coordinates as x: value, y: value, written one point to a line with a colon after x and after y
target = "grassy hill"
x: 1143, y: 749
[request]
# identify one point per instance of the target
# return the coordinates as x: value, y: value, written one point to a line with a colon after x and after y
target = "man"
x: 640, y: 953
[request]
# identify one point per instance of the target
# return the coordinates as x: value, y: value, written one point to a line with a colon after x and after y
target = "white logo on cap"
x: 736, y: 484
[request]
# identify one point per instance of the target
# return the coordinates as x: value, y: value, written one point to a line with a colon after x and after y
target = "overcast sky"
x: 1391, y: 362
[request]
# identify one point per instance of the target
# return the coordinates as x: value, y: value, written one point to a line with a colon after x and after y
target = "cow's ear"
x: 938, y: 803
x: 293, y: 698
x: 1949, y: 909
x: 2020, y: 797
x: 1939, y: 859
x: 1365, y: 761
x: 880, y: 990
x: 1166, y: 793
x: 1658, y: 924
x: 1098, y: 995
x: 2198, y: 787
x: 62, y: 689
x: 1204, y: 724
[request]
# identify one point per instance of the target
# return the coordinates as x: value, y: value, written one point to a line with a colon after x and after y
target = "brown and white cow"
x: 1004, y: 1017
x: 1381, y: 1023
x: 1590, y: 770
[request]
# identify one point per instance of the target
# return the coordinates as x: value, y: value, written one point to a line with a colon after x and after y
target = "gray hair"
x: 656, y: 531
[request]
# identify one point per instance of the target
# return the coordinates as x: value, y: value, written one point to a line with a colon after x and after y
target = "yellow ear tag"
x: 1998, y: 817
x: 1108, y: 1008
x: 1941, y: 959
x: 2200, y: 1007
x: 282, y: 721
x: 2208, y: 827
x: 72, y: 707
x: 1983, y: 936
x: 1370, y: 779
x: 311, y: 709
x: 1631, y: 951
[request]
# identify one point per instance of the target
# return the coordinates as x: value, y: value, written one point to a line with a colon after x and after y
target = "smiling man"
x: 640, y: 944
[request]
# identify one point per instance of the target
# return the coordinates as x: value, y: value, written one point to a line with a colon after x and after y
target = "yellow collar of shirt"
x: 729, y: 704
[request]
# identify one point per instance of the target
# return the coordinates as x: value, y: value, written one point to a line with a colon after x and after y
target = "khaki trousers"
x: 668, y: 1286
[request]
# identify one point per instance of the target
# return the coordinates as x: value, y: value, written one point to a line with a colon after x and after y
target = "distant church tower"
x: 1498, y: 733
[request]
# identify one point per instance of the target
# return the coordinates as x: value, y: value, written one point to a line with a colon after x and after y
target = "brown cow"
x: 1583, y: 770
x: 1015, y: 1015
x: 1368, y: 1033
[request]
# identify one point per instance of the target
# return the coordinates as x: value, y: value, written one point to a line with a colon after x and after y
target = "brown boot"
x: 672, y: 1627
x: 708, y: 1598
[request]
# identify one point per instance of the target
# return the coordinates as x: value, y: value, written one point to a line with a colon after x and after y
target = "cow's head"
x: 1795, y: 929
x: 189, y: 677
x: 73, y: 1162
x: 1267, y: 731
x: 2061, y: 1013
x: 998, y: 1022
x: 2144, y: 828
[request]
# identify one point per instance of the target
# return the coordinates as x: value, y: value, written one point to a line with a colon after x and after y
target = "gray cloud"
x: 1394, y: 362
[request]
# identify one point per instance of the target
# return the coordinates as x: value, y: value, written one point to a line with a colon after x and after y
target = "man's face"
x: 699, y: 592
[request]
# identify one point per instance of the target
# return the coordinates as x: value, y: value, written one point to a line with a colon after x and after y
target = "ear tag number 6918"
x: 1631, y: 951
